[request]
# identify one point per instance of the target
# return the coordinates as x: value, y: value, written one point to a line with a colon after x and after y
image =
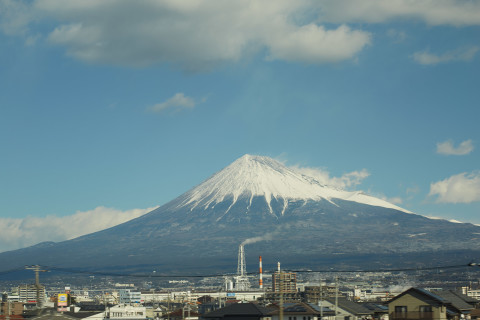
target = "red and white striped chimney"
x: 260, y: 272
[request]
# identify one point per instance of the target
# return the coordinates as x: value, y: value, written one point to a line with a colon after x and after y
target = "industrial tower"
x: 241, y: 279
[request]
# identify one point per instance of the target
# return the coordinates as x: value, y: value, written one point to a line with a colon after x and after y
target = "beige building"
x: 420, y: 304
x: 284, y: 282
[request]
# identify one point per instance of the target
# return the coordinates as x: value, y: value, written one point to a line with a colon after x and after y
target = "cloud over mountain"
x: 22, y: 232
x: 459, y: 188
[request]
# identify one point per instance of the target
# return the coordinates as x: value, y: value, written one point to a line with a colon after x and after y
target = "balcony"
x: 411, y: 315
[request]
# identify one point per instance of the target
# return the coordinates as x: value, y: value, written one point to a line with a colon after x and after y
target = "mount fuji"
x: 279, y: 213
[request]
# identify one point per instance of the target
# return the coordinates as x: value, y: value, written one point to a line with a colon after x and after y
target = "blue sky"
x: 111, y: 108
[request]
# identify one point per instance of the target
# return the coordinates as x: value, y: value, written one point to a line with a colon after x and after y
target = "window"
x: 400, y: 309
x: 425, y: 309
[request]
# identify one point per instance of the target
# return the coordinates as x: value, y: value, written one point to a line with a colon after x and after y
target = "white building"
x: 127, y: 312
x: 127, y: 296
x: 474, y: 293
x: 192, y: 296
x: 28, y: 293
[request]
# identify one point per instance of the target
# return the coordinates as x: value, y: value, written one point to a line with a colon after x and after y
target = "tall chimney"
x: 260, y: 272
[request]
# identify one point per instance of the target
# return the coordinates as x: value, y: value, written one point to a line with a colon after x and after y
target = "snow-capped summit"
x: 259, y: 176
x: 282, y: 214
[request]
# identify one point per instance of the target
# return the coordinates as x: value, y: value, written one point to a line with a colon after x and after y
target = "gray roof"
x: 424, y: 295
x: 51, y: 314
x: 238, y: 309
x: 457, y: 299
x: 300, y: 308
x: 375, y: 307
x: 350, y: 306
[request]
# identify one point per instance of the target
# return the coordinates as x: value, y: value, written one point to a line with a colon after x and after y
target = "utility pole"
x: 320, y: 292
x: 336, y: 297
x: 8, y: 310
x: 280, y: 282
x: 37, y: 269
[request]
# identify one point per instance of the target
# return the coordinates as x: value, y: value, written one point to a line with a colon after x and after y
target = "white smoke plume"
x: 267, y: 236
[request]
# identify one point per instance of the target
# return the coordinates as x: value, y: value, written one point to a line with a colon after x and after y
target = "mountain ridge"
x: 203, y: 228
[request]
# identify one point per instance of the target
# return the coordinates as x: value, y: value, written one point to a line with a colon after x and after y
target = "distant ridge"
x: 279, y: 212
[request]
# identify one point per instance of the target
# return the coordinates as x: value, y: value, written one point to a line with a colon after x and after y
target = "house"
x: 380, y: 311
x: 239, y: 311
x: 421, y: 304
x: 347, y: 310
x: 303, y: 311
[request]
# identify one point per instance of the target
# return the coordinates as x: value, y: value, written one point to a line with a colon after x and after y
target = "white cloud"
x: 200, y: 34
x: 413, y: 190
x: 195, y: 35
x: 394, y: 200
x: 179, y: 100
x: 433, y: 12
x: 396, y: 35
x: 319, y: 45
x: 15, y: 15
x: 19, y: 233
x: 448, y: 148
x: 427, y: 58
x: 346, y: 181
x: 460, y: 188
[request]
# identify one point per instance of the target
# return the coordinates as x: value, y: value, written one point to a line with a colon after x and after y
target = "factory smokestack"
x: 260, y: 272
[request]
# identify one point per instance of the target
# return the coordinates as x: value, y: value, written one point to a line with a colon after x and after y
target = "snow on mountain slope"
x: 251, y: 176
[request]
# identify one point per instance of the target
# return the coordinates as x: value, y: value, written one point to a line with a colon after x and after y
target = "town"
x: 450, y: 292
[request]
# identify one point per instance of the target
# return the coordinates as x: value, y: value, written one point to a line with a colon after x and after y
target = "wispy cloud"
x: 427, y: 58
x: 394, y: 200
x: 448, y: 148
x: 178, y: 101
x: 460, y: 188
x: 19, y: 233
x: 396, y: 35
x: 412, y: 190
x: 346, y: 181
x: 15, y: 16
x: 438, y: 12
